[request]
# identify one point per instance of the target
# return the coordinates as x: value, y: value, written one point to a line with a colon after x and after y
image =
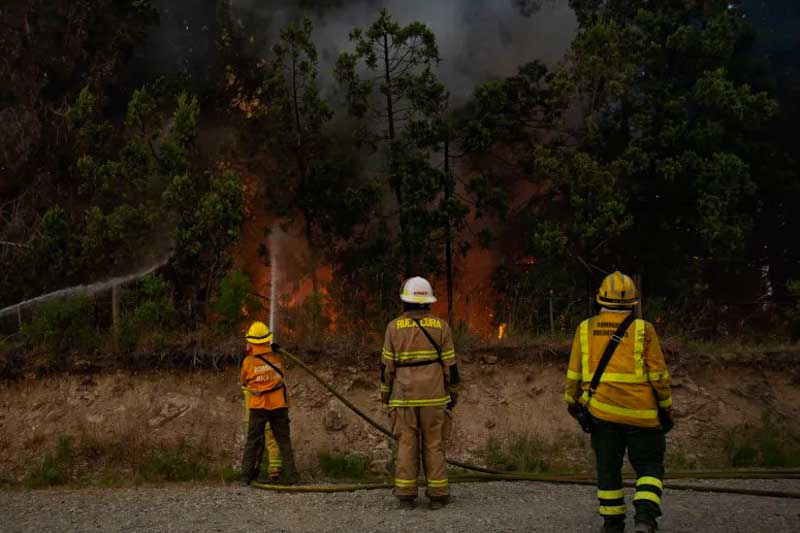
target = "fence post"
x: 552, y: 320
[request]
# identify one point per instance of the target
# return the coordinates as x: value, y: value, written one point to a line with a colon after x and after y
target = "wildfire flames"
x: 472, y: 301
x: 501, y: 331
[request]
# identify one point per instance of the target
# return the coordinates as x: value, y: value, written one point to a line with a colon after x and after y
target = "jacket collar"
x: 261, y: 349
x: 616, y: 311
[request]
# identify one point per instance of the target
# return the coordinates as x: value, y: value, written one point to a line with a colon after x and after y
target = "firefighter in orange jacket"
x: 631, y: 407
x: 419, y: 383
x: 262, y: 376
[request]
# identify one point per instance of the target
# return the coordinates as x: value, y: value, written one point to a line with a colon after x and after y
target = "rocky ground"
x: 476, y: 507
x: 119, y: 417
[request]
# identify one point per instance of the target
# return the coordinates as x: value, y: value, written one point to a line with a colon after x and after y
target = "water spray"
x: 93, y: 288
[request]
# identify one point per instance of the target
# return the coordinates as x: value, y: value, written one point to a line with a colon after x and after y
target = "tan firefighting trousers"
x: 417, y: 427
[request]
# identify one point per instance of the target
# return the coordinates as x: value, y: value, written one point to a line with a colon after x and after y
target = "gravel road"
x: 476, y: 508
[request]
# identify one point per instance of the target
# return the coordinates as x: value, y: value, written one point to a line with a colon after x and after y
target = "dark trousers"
x: 254, y: 447
x: 645, y: 448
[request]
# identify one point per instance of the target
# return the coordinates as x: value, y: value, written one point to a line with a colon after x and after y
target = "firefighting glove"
x: 453, y: 401
x: 572, y: 409
x: 276, y: 347
x: 385, y: 398
x: 666, y: 419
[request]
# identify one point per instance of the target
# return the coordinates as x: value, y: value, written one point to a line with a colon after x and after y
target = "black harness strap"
x: 416, y: 363
x: 427, y: 361
x: 276, y: 387
x: 433, y: 342
x: 611, y: 347
x: 275, y: 368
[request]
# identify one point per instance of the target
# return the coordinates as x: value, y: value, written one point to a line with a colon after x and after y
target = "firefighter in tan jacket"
x: 419, y: 383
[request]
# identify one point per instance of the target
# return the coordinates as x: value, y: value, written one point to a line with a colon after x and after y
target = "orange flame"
x: 501, y: 331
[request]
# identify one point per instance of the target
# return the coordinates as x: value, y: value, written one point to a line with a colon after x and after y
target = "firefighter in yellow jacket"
x: 419, y: 383
x: 262, y: 377
x: 631, y: 407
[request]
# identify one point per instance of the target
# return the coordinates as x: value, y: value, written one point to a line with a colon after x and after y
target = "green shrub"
x: 519, y: 452
x: 172, y: 465
x: 229, y: 474
x: 233, y: 296
x: 151, y: 312
x: 678, y: 460
x: 64, y: 324
x: 12, y: 358
x: 154, y: 302
x: 343, y: 466
x: 53, y: 470
x: 768, y: 445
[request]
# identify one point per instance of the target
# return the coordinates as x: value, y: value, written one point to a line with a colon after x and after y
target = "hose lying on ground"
x: 519, y: 476
x: 487, y: 474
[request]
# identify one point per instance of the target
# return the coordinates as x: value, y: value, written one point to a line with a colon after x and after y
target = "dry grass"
x: 125, y: 450
x: 125, y: 459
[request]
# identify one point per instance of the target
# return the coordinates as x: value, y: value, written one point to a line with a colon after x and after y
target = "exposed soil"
x: 118, y: 413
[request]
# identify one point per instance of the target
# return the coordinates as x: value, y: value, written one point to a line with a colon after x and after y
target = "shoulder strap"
x: 433, y: 342
x: 275, y: 368
x: 611, y: 347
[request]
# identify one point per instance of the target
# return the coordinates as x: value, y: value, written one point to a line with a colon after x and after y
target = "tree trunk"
x: 396, y: 179
x: 448, y: 231
x: 312, y: 255
x: 388, y: 81
x: 303, y: 174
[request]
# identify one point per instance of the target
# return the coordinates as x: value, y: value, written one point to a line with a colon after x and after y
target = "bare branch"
x: 15, y: 244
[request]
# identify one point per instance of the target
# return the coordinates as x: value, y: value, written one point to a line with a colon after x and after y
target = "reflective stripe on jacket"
x: 636, y: 381
x: 259, y: 378
x: 412, y: 375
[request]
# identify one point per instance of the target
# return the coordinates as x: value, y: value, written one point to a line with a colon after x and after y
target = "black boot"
x: 406, y: 503
x: 614, y: 525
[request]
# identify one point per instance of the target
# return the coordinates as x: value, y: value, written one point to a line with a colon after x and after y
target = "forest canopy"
x: 660, y: 142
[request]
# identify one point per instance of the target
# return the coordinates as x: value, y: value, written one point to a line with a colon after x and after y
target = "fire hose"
x: 481, y: 474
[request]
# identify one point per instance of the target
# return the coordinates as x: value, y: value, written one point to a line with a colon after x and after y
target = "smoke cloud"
x: 478, y: 39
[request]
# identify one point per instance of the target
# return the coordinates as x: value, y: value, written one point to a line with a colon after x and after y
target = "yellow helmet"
x: 617, y: 290
x: 258, y: 333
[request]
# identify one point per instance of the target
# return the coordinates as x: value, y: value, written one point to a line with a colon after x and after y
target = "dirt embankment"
x: 116, y: 416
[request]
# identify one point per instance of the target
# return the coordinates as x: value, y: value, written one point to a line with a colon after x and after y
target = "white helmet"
x: 417, y: 291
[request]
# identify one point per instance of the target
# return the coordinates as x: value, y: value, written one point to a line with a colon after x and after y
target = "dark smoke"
x: 478, y: 39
